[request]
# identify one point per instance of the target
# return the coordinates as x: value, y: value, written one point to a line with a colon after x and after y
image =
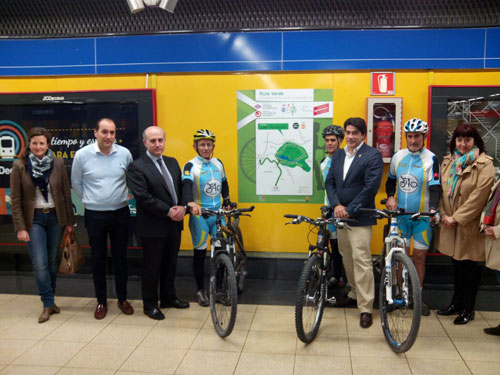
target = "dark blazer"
x: 22, y: 195
x: 152, y: 196
x: 360, y: 185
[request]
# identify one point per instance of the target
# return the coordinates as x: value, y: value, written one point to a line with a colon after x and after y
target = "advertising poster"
x: 70, y: 118
x: 280, y: 145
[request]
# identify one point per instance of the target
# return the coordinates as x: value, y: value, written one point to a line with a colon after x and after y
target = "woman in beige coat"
x: 491, y: 224
x: 467, y: 176
x: 41, y: 208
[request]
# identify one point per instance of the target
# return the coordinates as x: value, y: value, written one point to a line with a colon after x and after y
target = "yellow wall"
x: 186, y: 102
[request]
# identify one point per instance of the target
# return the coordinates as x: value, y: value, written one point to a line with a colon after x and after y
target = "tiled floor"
x: 263, y: 342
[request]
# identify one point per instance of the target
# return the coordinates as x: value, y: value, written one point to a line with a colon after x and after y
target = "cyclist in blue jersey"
x: 414, y: 178
x: 205, y: 179
x: 333, y: 136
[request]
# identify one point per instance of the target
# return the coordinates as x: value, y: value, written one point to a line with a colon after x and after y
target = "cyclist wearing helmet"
x: 414, y: 178
x: 205, y: 180
x: 333, y: 136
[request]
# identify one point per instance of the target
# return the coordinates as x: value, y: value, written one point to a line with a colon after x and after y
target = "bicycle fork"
x: 324, y: 282
x: 403, y: 292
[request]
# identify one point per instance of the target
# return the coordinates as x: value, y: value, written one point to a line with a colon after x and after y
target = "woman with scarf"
x: 41, y: 209
x: 467, y: 176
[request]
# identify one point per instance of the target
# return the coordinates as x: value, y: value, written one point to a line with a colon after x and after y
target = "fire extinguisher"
x: 384, y: 130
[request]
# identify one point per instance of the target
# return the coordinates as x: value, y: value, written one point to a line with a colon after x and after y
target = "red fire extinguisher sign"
x: 383, y: 83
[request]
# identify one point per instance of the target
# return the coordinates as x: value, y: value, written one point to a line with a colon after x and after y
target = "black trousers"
x: 100, y: 225
x: 337, y: 265
x: 467, y: 276
x: 159, y: 267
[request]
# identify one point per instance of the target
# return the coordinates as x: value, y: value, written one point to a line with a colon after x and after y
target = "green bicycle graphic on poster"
x: 279, y: 149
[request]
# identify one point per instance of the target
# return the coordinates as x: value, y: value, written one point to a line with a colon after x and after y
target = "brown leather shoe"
x: 365, y: 320
x: 125, y: 307
x: 55, y: 309
x: 100, y: 311
x: 45, y: 315
x: 47, y: 312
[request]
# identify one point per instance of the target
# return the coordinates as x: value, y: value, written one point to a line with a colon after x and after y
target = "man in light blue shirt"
x: 98, y: 176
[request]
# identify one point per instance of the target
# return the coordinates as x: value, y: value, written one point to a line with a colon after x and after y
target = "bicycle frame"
x: 391, y: 246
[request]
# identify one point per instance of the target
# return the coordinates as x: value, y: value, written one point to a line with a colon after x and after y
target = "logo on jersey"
x: 212, y: 188
x: 408, y: 183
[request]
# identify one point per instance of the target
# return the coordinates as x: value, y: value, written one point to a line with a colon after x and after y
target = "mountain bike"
x: 400, y: 299
x: 223, y: 290
x: 312, y: 291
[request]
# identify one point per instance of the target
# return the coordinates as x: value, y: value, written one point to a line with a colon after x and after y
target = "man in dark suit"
x: 353, y: 181
x: 155, y: 181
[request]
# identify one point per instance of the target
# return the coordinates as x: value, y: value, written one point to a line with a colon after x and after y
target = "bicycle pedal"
x: 332, y: 300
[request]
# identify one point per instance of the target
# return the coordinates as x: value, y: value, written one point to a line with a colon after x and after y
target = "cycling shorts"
x: 200, y: 229
x: 420, y: 230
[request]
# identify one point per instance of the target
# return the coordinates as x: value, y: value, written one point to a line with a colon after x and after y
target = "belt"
x: 46, y: 210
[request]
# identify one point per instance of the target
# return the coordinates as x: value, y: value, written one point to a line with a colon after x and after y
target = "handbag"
x: 72, y: 257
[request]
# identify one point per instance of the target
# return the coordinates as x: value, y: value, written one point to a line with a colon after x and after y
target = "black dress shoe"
x: 465, y: 317
x: 365, y: 320
x: 346, y: 302
x: 176, y: 304
x: 495, y: 331
x: 154, y: 313
x: 450, y: 310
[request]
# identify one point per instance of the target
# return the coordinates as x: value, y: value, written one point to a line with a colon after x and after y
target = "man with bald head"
x: 155, y: 181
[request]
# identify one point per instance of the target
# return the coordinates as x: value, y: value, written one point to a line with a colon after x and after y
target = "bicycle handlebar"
x: 384, y: 213
x: 297, y: 219
x: 223, y: 212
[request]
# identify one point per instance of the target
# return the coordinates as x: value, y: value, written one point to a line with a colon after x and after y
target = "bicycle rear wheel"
x: 223, y: 295
x: 310, y: 300
x: 401, y: 320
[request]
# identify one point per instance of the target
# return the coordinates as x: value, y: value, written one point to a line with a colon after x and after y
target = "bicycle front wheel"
x: 310, y: 300
x: 240, y: 260
x: 401, y: 319
x: 223, y: 295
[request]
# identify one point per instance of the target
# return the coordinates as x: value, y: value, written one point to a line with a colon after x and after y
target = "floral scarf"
x: 40, y: 170
x: 459, y: 163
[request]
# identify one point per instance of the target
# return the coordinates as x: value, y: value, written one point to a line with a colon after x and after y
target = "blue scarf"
x: 458, y: 164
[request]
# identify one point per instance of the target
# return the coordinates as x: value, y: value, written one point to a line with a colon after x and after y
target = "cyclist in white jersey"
x: 205, y: 178
x: 333, y: 136
x: 414, y: 178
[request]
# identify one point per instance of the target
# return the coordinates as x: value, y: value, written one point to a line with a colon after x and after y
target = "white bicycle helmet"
x: 415, y: 125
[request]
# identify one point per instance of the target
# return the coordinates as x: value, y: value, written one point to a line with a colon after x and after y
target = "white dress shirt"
x: 350, y: 157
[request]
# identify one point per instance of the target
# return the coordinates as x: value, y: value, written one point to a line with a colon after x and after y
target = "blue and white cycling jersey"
x: 325, y: 167
x: 209, y: 184
x: 207, y: 177
x: 415, y: 173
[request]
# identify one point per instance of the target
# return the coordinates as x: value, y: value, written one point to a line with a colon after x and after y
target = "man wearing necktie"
x: 155, y: 181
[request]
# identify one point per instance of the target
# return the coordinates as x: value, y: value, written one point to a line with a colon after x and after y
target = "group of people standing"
x: 457, y: 191
x: 461, y: 190
x: 102, y: 174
